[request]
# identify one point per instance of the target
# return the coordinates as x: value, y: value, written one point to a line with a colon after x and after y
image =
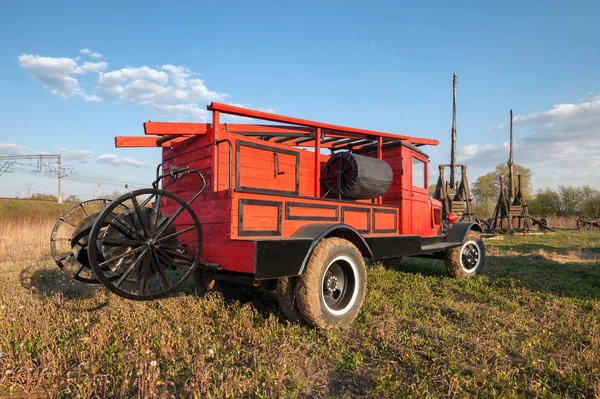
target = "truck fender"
x: 319, y: 231
x: 458, y: 232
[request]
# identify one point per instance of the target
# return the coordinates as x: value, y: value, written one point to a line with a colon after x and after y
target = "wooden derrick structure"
x: 511, y: 213
x: 454, y: 196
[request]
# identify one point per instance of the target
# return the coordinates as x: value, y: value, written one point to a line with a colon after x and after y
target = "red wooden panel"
x: 359, y: 219
x: 308, y: 211
x: 259, y: 217
x: 165, y: 128
x: 384, y: 221
x: 281, y: 177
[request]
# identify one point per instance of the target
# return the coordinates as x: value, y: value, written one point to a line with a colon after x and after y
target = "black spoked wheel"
x: 595, y: 223
x: 151, y: 253
x: 584, y: 223
x: 69, y: 239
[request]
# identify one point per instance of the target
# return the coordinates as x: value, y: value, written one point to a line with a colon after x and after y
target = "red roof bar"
x: 250, y: 113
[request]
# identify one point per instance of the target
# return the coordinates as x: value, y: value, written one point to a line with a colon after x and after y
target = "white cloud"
x: 94, y: 66
x: 170, y: 90
x: 114, y: 159
x: 12, y: 149
x: 566, y: 136
x: 93, y: 54
x: 83, y: 156
x: 56, y: 74
x: 180, y: 111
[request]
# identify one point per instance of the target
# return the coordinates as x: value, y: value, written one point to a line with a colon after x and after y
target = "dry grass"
x: 24, y: 238
x: 529, y: 327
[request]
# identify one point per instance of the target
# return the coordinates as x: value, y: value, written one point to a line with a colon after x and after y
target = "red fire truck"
x: 286, y: 204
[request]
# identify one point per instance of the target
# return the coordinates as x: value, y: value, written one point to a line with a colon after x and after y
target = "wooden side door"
x: 415, y: 195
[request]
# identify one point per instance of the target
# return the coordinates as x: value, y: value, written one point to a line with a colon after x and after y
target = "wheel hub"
x: 330, y: 283
x: 470, y: 256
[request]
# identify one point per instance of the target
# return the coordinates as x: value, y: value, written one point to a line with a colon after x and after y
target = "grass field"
x: 528, y: 327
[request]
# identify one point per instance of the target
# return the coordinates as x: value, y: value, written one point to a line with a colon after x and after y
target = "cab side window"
x: 418, y: 173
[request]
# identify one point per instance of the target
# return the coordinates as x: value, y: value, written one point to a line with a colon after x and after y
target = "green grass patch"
x: 528, y: 327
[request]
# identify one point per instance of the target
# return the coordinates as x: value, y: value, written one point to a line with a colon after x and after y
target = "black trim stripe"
x: 355, y: 209
x: 239, y: 187
x: 262, y: 233
x: 288, y: 215
x: 330, y: 200
x: 388, y: 211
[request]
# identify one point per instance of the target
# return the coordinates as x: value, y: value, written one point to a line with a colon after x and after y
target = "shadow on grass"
x: 533, y: 272
x: 575, y: 280
x: 46, y: 282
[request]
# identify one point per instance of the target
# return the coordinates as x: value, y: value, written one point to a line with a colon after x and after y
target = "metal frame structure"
x: 9, y: 161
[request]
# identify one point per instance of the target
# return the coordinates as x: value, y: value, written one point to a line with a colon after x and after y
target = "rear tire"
x: 467, y: 260
x: 332, y: 289
x: 285, y: 291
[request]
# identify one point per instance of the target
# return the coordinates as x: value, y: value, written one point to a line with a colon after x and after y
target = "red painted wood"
x: 166, y: 128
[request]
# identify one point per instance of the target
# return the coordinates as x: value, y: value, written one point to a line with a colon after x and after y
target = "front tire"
x: 332, y: 289
x: 467, y: 260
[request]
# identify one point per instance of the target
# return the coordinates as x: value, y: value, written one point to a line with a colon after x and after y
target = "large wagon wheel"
x: 151, y: 254
x: 596, y: 223
x: 69, y: 239
x: 584, y: 222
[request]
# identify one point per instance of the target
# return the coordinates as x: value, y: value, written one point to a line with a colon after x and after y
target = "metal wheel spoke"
x: 169, y: 221
x: 130, y: 252
x: 178, y: 247
x: 173, y: 261
x: 127, y: 227
x: 156, y: 216
x: 85, y: 210
x: 66, y: 221
x: 163, y: 279
x: 120, y: 242
x: 76, y: 274
x: 146, y: 273
x: 62, y: 239
x: 130, y: 268
x: 161, y: 239
x: 147, y: 200
x: 138, y: 212
x: 176, y: 254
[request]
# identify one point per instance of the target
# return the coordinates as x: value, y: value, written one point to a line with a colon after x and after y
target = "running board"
x: 439, y: 247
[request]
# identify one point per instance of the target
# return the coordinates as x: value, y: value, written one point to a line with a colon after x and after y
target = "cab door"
x: 415, y: 195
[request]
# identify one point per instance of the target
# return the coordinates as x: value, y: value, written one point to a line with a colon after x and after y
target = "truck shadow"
x: 551, y: 273
x: 46, y: 282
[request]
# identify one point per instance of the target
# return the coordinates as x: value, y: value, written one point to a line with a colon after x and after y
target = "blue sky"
x: 378, y: 65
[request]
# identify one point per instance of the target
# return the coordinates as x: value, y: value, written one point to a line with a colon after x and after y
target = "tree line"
x: 565, y: 200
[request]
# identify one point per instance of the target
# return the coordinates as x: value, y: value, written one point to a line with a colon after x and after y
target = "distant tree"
x: 44, y: 197
x: 590, y: 202
x: 545, y: 203
x: 564, y: 201
x: 486, y: 188
x: 72, y: 198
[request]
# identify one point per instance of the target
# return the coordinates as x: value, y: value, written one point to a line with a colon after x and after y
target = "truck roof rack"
x: 291, y: 131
